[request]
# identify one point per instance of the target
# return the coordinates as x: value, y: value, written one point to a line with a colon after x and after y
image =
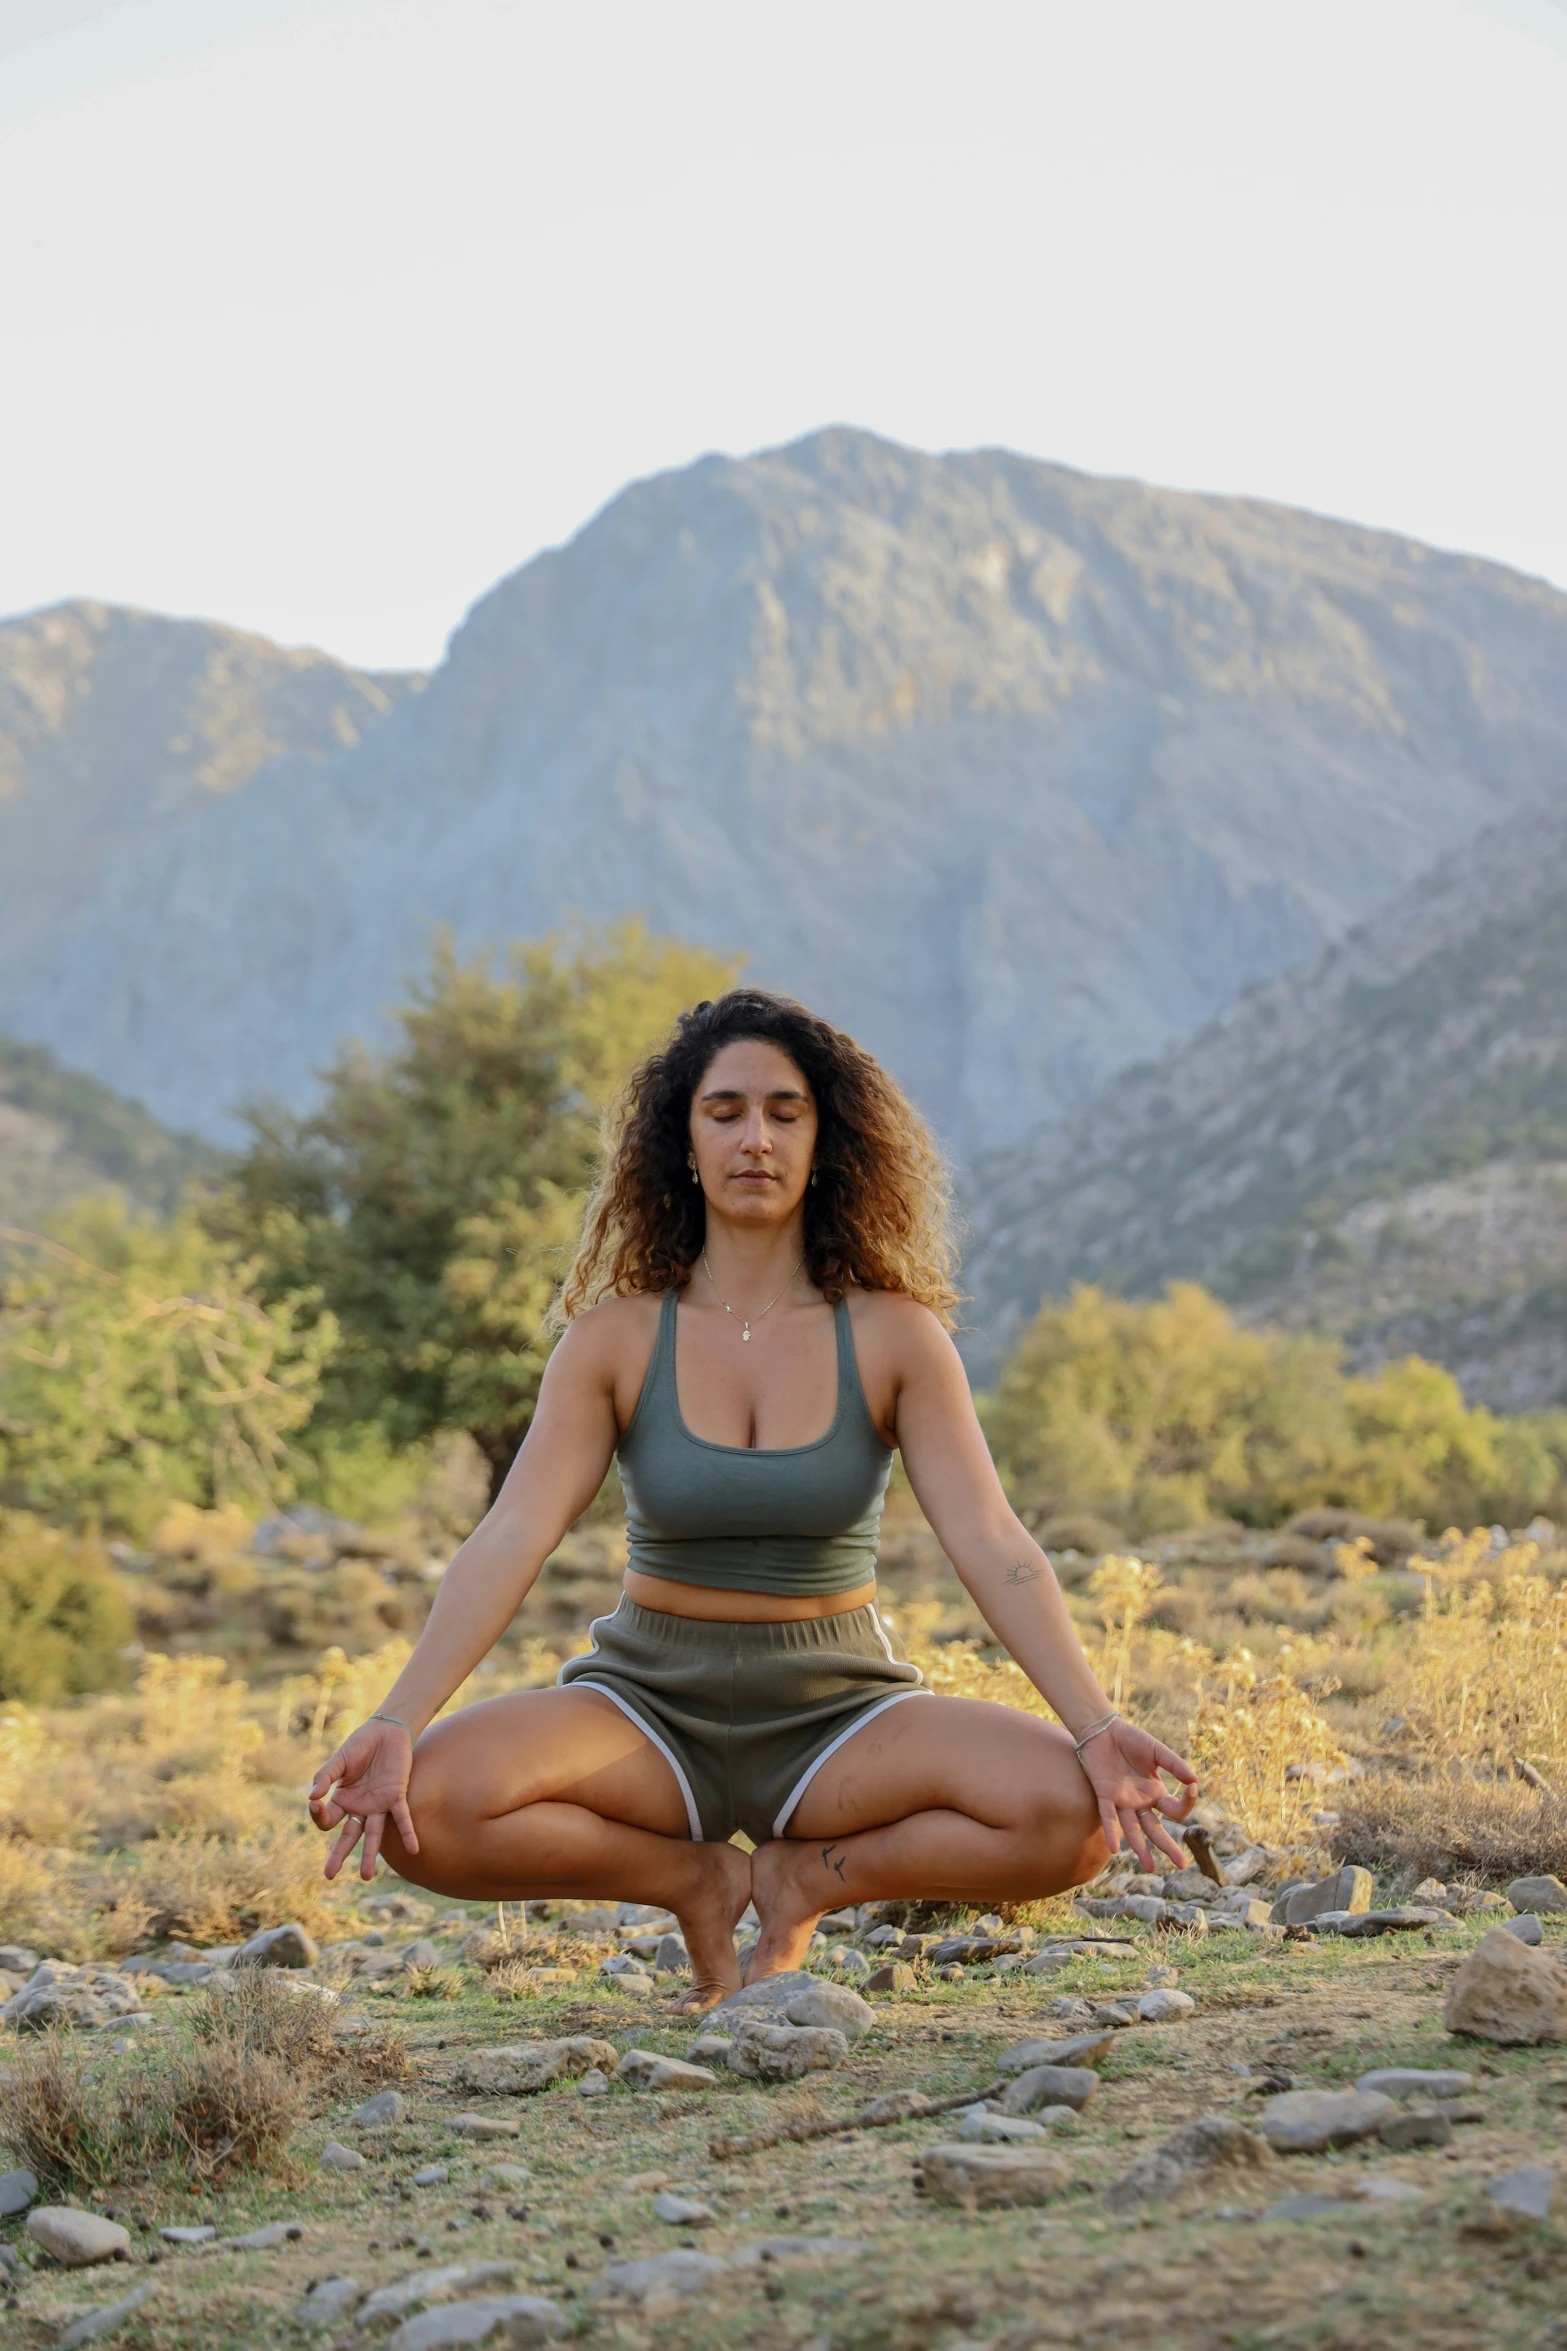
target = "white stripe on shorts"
x: 798, y: 1790
x: 693, y: 1817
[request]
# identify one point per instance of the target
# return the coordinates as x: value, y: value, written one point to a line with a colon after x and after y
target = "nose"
x: 756, y: 1140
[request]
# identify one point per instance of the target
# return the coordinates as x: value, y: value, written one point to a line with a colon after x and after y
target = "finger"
x: 403, y: 1822
x: 333, y: 1769
x: 375, y: 1830
x: 1157, y: 1835
x: 1176, y: 1765
x: 346, y: 1842
x: 1111, y: 1825
x: 1136, y: 1839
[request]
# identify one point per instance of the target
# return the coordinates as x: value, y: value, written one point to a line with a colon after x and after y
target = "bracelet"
x: 378, y: 1716
x: 1094, y: 1730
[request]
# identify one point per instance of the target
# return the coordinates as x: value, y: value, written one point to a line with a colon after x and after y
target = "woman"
x: 756, y: 1318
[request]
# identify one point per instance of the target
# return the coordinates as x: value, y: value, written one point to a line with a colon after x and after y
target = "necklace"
x: 746, y: 1320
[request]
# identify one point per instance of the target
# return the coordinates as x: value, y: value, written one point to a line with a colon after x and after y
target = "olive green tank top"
x: 747, y: 1518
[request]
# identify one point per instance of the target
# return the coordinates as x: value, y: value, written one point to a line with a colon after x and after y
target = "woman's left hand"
x: 1123, y: 1764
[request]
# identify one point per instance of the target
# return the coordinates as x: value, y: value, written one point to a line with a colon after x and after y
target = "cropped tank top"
x: 794, y: 1519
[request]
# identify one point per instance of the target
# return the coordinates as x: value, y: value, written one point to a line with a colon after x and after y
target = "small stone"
x: 1050, y: 2085
x: 1407, y: 1918
x: 327, y: 2301
x: 423, y: 1953
x: 285, y: 1946
x: 93, y: 2325
x: 262, y: 2240
x: 991, y: 2178
x: 844, y: 1960
x: 797, y: 2249
x: 1413, y: 2081
x: 1213, y: 2143
x: 1416, y: 2126
x: 1431, y: 1892
x: 774, y: 1991
x: 1380, y: 2189
x: 518, y: 2069
x: 681, y: 2212
x: 832, y: 2006
x: 17, y: 1959
x: 188, y: 2236
x: 1303, y: 2208
x: 1505, y: 1992
x: 593, y: 2084
x: 1528, y: 2191
x: 336, y: 2157
x: 1159, y: 2007
x: 1081, y: 2049
x: 1525, y: 1926
x: 377, y: 2113
x: 485, y: 2126
x: 711, y: 2049
x: 515, y: 2319
x: 76, y: 2239
x: 672, y: 1957
x: 1346, y: 1889
x: 1305, y: 2122
x: 433, y: 2175
x: 405, y: 2294
x: 987, y: 2128
x: 785, y: 2052
x: 894, y: 1975
x: 952, y: 1974
x: 642, y: 2069
x: 1544, y: 1896
x: 18, y: 2189
x: 664, y: 2280
x: 510, y: 2175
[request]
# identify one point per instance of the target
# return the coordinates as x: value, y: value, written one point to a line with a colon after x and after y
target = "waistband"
x: 850, y: 1628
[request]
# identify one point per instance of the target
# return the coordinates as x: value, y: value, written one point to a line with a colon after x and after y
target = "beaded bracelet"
x: 1094, y: 1730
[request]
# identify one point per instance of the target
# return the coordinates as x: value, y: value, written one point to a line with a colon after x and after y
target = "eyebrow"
x: 738, y: 1094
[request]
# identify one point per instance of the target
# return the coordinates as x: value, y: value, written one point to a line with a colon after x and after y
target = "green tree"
x: 434, y: 1196
x: 138, y: 1366
x: 63, y: 1616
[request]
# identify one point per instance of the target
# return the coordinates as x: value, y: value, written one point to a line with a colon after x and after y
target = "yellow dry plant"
x: 1124, y: 1588
x: 1259, y: 1746
x: 1480, y: 1678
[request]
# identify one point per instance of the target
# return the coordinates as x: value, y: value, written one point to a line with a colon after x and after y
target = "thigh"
x: 572, y: 1746
x: 933, y: 1754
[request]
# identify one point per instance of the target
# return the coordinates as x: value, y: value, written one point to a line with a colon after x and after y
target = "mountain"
x: 1374, y: 1145
x: 1018, y: 773
x: 62, y: 1134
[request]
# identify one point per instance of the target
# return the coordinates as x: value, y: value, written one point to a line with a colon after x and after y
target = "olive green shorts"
x: 745, y: 1714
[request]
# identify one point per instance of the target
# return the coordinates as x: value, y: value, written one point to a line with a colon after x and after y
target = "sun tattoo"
x: 1022, y: 1571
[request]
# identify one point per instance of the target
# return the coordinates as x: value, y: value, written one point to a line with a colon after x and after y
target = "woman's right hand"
x: 363, y: 1785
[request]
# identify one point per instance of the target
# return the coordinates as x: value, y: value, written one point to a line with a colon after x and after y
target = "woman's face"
x: 753, y: 1133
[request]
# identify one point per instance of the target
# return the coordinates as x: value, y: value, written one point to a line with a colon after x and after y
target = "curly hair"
x: 877, y: 1217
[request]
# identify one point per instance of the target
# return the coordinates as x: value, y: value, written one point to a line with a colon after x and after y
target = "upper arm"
x: 563, y: 1460
x: 939, y: 1436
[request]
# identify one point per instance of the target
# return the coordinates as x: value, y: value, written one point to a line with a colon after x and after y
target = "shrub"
x: 63, y: 1615
x: 57, y: 2118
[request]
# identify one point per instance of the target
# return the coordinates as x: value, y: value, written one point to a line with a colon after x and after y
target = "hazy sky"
x: 318, y: 315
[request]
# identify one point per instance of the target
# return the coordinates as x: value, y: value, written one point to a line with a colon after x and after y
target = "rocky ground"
x: 553, y: 2201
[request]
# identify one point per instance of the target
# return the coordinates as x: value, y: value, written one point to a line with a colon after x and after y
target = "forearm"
x: 1014, y: 1586
x: 490, y: 1576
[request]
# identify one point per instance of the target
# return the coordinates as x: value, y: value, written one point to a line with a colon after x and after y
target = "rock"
x: 830, y: 2005
x: 76, y: 2239
x: 1381, y: 2190
x: 672, y: 1957
x: 379, y: 2112
x: 667, y: 2278
x: 1160, y: 2006
x: 1214, y: 2143
x: 711, y: 2049
x: 593, y: 2084
x: 642, y: 1914
x: 785, y: 2052
x: 1416, y: 2126
x: 987, y: 2178
x: 519, y: 2068
x: 18, y: 2189
x: 328, y: 2300
x: 1082, y: 2049
x: 1050, y: 2085
x: 884, y: 1938
x: 1146, y: 1907
x: 1544, y: 1896
x: 1303, y: 2208
x: 498, y: 2318
x: 17, y: 1959
x: 1405, y: 1919
x: 1528, y: 2191
x: 93, y: 2325
x: 76, y: 1997
x: 987, y: 2128
x: 510, y: 2175
x: 633, y: 1983
x: 680, y: 2212
x: 432, y: 2175
x: 422, y: 1953
x: 774, y: 1991
x: 847, y: 1961
x: 485, y: 2126
x: 263, y: 2240
x: 622, y: 1963
x: 1505, y: 1992
x: 797, y: 2249
x: 1430, y: 1891
x: 202, y: 2235
x: 894, y: 1975
x: 1413, y: 2081
x: 286, y: 1946
x: 403, y: 2295
x: 1525, y: 1926
x: 641, y: 2069
x: 1305, y: 2122
x: 1346, y: 1889
x: 336, y: 2157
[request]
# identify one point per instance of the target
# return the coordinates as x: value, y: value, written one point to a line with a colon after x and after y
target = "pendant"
x: 745, y: 1331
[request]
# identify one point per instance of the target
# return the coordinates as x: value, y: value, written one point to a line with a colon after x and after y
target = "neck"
x: 749, y: 1265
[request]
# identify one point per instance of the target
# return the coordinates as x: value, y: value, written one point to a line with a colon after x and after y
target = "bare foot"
x: 708, y: 1918
x: 786, y: 1886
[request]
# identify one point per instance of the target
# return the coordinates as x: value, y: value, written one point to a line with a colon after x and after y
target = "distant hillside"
x: 1375, y: 1145
x: 62, y: 1134
x: 1020, y: 774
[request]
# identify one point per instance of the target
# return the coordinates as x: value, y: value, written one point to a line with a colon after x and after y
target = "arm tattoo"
x: 1022, y: 1571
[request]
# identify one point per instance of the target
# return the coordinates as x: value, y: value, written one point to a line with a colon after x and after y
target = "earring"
x: 695, y: 1178
x: 813, y: 1175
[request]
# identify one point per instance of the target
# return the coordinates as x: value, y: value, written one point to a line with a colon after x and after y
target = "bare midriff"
x: 726, y: 1607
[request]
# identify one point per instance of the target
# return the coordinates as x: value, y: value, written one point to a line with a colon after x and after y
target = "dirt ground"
x: 1211, y: 2268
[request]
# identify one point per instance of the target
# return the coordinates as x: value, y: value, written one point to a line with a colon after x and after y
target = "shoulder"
x: 902, y: 1331
x: 599, y: 1341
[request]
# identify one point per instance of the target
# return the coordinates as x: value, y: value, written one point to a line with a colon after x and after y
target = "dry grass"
x: 55, y: 2116
x: 1443, y: 1828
